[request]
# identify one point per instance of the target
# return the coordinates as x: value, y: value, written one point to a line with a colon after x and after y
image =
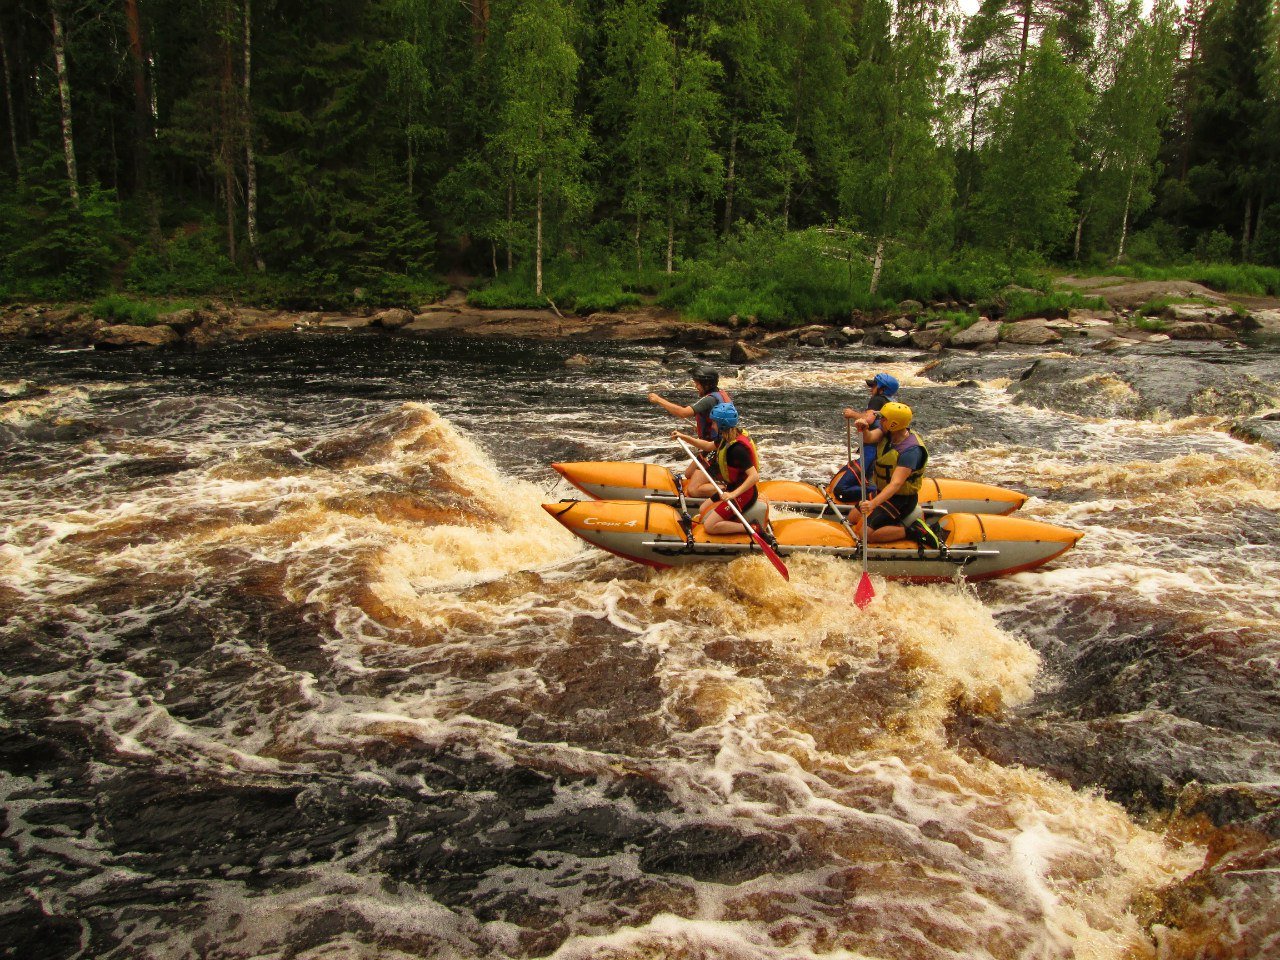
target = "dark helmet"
x: 706, y: 376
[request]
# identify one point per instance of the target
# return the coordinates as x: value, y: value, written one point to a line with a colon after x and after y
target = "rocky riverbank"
x: 1205, y: 316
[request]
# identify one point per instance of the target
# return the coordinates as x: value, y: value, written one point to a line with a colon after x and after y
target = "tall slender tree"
x: 64, y: 99
x: 540, y: 131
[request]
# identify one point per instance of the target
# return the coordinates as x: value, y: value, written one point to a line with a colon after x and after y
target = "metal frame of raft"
x: 981, y: 546
x: 653, y: 483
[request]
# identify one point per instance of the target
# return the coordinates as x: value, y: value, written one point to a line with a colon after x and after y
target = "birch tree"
x: 539, y: 130
x: 64, y: 100
x: 897, y: 178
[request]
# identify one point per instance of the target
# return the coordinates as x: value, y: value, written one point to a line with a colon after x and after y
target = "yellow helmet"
x: 895, y: 416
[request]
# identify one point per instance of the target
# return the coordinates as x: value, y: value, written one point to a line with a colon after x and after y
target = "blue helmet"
x: 887, y: 384
x: 724, y: 415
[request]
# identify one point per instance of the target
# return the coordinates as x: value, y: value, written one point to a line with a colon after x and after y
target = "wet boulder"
x: 1200, y: 330
x: 124, y: 336
x: 886, y: 337
x: 392, y: 319
x: 1264, y: 430
x: 911, y: 307
x: 1199, y: 313
x: 930, y: 337
x: 183, y: 320
x: 1036, y: 332
x: 984, y: 333
x: 742, y: 352
x: 1133, y: 386
x: 1268, y: 320
x: 578, y: 360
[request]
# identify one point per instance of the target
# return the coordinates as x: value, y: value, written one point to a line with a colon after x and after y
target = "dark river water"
x: 292, y: 665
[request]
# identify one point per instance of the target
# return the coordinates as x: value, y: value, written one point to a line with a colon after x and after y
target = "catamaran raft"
x: 639, y: 518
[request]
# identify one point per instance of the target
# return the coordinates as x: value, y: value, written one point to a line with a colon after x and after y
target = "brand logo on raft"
x: 595, y: 522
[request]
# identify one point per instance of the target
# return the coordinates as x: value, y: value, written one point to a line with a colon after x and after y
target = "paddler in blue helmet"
x: 707, y: 382
x: 735, y: 454
x: 847, y: 485
x: 897, y: 472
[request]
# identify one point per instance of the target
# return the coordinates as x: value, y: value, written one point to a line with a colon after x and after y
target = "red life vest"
x: 733, y: 476
x: 707, y: 430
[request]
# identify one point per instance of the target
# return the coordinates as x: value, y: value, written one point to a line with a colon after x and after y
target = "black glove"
x: 717, y: 497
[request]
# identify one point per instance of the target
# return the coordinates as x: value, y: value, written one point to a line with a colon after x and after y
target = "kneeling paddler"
x: 898, y: 473
x: 735, y: 454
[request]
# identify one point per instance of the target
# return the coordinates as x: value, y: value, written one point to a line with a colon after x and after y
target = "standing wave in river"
x: 293, y: 666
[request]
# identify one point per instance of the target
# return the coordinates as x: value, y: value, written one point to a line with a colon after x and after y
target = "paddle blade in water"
x: 865, y: 592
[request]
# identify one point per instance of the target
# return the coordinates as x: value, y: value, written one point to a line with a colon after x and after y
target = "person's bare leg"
x: 887, y: 534
x: 696, y: 483
x: 718, y: 526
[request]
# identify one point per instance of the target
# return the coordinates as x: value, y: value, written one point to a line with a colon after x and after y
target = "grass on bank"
x: 1238, y: 278
x: 119, y: 308
x: 581, y: 287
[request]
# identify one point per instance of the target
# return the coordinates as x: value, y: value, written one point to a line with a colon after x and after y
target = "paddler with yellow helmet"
x: 735, y: 453
x: 897, y: 472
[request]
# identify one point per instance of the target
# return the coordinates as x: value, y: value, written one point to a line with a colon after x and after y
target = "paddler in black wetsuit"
x: 898, y: 472
x: 707, y: 382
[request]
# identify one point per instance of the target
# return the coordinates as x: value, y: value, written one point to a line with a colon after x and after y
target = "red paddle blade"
x: 865, y: 592
x: 773, y: 557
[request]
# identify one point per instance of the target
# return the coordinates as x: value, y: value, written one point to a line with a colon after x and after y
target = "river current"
x: 292, y: 665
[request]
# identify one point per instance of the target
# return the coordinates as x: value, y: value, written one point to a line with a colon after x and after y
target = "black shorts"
x: 891, y: 512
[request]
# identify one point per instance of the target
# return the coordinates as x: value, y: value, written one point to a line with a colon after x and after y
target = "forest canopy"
x: 820, y: 154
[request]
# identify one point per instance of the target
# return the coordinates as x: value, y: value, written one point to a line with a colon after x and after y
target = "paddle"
x: 764, y: 547
x: 865, y: 592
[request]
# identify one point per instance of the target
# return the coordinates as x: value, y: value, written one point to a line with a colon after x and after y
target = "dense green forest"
x: 786, y: 158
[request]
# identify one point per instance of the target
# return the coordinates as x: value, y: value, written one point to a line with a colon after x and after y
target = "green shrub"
x: 780, y: 278
x: 1018, y: 304
x: 117, y: 308
x: 52, y: 250
x: 1150, y: 324
x: 972, y: 275
x: 1158, y: 305
x: 1212, y: 247
x: 191, y: 261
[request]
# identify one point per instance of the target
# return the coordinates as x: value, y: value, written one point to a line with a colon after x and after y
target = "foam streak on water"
x: 295, y: 666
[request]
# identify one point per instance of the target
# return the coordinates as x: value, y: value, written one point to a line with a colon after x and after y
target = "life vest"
x: 707, y: 429
x: 733, y: 476
x: 887, y: 454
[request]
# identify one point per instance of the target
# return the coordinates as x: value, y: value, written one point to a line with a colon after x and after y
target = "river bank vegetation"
x: 783, y: 159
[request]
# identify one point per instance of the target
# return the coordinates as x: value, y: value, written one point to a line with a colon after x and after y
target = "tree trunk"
x: 671, y: 242
x: 1124, y: 221
x: 1246, y: 232
x: 538, y: 241
x: 786, y: 206
x: 876, y: 264
x: 511, y: 203
x: 141, y: 100
x: 493, y: 253
x: 64, y: 93
x: 1257, y: 230
x: 728, y: 187
x: 8, y: 99
x: 1026, y: 33
x: 479, y: 21
x: 226, y: 154
x: 639, y: 261
x: 250, y: 161
x: 1079, y: 231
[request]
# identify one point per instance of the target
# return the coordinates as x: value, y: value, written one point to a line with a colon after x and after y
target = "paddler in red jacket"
x: 735, y: 454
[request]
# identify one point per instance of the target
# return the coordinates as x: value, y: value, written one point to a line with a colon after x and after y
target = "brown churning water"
x: 295, y: 666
